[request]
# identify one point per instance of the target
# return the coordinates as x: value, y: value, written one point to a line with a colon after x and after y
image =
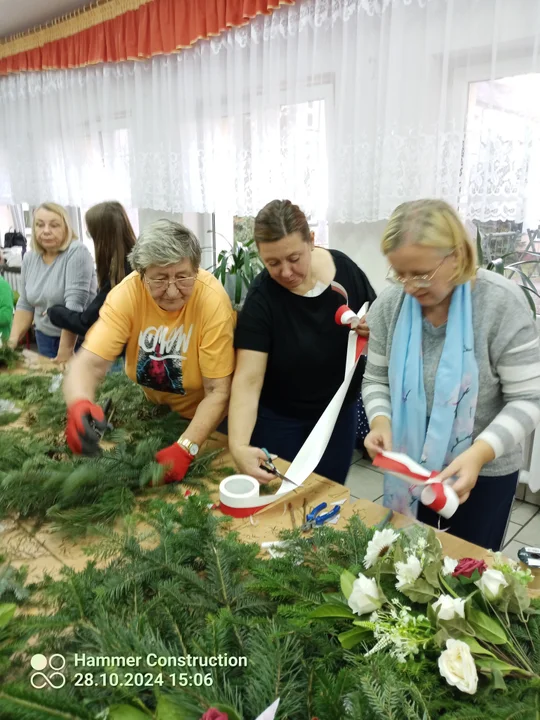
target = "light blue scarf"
x: 451, y: 423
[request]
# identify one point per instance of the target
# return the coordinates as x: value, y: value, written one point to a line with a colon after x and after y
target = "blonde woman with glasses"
x: 453, y: 371
x: 176, y: 323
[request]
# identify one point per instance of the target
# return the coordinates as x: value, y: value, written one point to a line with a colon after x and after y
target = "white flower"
x: 456, y: 665
x: 449, y: 565
x: 448, y: 607
x: 408, y: 572
x: 491, y: 584
x: 378, y: 545
x: 365, y: 596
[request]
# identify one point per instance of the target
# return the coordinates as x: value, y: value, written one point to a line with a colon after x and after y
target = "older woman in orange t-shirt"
x: 176, y: 324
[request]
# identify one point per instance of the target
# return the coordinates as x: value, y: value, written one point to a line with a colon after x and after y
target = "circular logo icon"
x: 54, y: 679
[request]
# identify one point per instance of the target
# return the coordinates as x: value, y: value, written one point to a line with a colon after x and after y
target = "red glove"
x: 177, y: 459
x: 84, y: 422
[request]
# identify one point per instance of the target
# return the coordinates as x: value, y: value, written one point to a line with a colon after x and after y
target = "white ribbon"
x: 238, y: 492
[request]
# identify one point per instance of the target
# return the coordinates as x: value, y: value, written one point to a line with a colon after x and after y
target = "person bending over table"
x: 113, y: 236
x: 453, y: 371
x: 176, y: 323
x: 290, y: 351
x: 58, y: 270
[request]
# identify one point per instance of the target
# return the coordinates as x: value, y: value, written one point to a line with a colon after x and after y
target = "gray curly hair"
x: 162, y: 243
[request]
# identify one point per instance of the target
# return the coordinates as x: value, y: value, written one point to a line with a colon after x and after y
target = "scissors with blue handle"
x: 313, y: 519
x: 271, y: 468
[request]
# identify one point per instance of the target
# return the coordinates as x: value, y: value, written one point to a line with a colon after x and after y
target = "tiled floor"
x: 365, y: 481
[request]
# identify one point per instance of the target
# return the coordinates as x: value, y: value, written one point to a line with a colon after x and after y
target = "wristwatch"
x: 191, y: 447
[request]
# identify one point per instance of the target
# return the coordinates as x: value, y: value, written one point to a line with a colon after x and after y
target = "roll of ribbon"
x: 435, y: 495
x: 441, y: 498
x: 239, y: 494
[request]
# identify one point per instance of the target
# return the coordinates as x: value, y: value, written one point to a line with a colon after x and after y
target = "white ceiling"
x: 19, y: 15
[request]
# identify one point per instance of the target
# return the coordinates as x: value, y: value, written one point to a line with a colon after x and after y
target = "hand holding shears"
x: 271, y: 468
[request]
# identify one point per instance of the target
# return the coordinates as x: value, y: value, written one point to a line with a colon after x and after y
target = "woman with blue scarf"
x: 453, y: 371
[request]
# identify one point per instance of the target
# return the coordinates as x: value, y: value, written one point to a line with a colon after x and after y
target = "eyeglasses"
x: 417, y: 281
x: 163, y: 284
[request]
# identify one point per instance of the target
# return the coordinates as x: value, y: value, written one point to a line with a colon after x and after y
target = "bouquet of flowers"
x: 414, y: 603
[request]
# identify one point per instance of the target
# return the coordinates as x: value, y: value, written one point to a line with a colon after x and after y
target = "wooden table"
x: 46, y: 551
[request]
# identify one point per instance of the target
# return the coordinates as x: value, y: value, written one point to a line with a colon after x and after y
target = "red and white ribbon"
x: 435, y: 495
x: 240, y: 494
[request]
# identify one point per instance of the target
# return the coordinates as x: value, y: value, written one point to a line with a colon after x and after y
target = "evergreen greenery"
x: 40, y: 478
x: 189, y: 587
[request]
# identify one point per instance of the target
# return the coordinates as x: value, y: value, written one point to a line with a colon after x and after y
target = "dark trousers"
x: 47, y: 344
x: 483, y: 518
x: 285, y: 436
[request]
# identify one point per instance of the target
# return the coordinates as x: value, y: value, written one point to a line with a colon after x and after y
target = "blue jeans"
x: 285, y: 436
x: 47, y: 344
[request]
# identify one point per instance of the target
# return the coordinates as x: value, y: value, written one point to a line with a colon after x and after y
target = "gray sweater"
x: 507, y: 351
x: 70, y: 280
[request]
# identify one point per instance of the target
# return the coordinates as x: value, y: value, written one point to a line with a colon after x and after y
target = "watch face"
x: 194, y: 448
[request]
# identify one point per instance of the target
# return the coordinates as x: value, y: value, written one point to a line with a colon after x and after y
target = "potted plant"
x: 238, y: 265
x: 498, y: 265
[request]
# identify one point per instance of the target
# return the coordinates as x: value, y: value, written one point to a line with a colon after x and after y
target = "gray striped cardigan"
x: 507, y: 352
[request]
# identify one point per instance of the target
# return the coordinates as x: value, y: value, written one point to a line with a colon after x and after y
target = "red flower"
x: 467, y: 566
x: 214, y: 714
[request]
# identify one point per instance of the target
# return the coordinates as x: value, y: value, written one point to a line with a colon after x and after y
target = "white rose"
x: 491, y: 584
x: 449, y: 565
x: 408, y: 572
x: 448, y: 607
x: 365, y: 596
x: 456, y: 665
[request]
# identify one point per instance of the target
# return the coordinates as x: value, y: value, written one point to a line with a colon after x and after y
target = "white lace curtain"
x: 349, y: 107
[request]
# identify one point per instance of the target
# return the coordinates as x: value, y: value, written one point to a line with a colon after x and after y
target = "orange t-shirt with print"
x: 167, y: 353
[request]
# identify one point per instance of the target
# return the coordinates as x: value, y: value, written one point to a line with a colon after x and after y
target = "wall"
x: 361, y: 242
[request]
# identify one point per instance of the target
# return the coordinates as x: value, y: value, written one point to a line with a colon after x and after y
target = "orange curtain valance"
x: 127, y: 30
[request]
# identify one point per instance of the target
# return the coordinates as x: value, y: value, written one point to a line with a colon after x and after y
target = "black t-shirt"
x: 306, y: 348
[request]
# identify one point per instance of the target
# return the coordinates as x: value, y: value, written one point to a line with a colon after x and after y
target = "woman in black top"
x: 113, y: 236
x: 290, y: 351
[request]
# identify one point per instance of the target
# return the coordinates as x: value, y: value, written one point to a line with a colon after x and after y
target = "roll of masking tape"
x: 441, y: 498
x: 239, y: 496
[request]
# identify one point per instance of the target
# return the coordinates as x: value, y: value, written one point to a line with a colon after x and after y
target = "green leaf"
x: 497, y: 266
x: 485, y: 627
x: 7, y: 611
x: 479, y: 248
x: 238, y: 289
x: 421, y: 591
x: 329, y: 610
x: 475, y: 646
x: 168, y: 710
x: 126, y: 712
x: 352, y: 637
x: 346, y: 580
x: 498, y: 680
x: 490, y: 665
x: 431, y: 573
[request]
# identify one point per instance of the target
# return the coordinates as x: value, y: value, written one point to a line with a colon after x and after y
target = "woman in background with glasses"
x: 176, y: 323
x: 453, y: 371
x: 110, y: 229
